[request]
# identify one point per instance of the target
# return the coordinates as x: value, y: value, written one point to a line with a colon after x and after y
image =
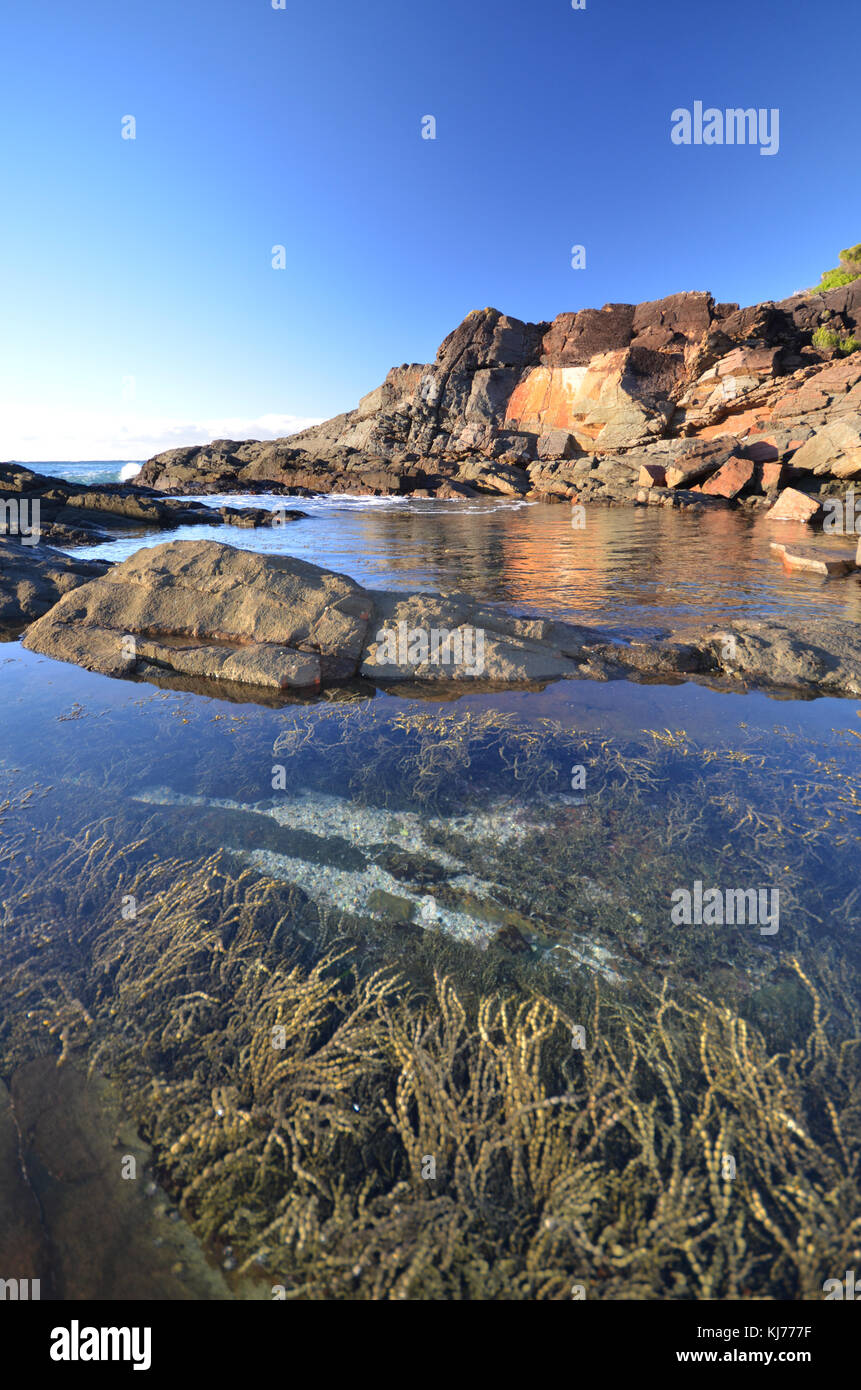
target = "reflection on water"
x: 641, y: 569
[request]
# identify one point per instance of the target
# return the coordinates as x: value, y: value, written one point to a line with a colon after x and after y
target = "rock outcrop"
x: 65, y: 513
x: 202, y: 611
x: 33, y: 579
x: 577, y: 407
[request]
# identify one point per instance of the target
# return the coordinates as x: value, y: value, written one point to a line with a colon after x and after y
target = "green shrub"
x: 833, y: 279
x: 830, y: 338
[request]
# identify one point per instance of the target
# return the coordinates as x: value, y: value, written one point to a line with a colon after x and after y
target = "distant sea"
x: 89, y: 470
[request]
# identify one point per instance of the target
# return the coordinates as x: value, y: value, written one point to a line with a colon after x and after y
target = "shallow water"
x: 638, y: 569
x: 523, y: 842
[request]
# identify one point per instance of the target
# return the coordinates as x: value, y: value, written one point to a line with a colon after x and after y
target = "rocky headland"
x: 680, y: 401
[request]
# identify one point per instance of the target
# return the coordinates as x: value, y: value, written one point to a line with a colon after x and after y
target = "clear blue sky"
x: 151, y: 259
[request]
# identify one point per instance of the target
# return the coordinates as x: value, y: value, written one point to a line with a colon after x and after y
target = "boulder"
x: 792, y: 505
x: 770, y: 476
x: 557, y: 444
x: 652, y: 475
x: 429, y: 637
x: 700, y: 460
x: 204, y: 609
x: 229, y: 621
x: 731, y: 478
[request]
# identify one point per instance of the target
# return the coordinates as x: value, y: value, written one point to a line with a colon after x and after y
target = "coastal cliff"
x: 578, y: 407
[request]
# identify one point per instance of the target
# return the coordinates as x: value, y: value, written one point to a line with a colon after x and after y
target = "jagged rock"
x: 700, y: 460
x: 835, y: 449
x: 652, y: 475
x: 770, y: 475
x: 557, y: 444
x: 68, y: 513
x: 495, y: 477
x: 600, y: 380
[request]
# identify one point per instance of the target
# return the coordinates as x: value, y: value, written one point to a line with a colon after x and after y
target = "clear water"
x: 638, y: 569
x: 456, y: 812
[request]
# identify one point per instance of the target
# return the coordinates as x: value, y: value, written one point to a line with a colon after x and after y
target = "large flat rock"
x: 205, y: 609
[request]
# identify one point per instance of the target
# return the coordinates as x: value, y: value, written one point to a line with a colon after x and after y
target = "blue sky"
x: 141, y: 309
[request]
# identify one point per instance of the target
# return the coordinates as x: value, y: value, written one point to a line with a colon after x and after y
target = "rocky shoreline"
x: 681, y: 395
x: 67, y: 513
x: 264, y: 626
x: 681, y: 402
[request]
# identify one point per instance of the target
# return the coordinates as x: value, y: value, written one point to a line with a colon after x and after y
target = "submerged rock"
x: 814, y: 559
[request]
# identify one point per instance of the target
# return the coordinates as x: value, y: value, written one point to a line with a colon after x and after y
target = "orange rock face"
x: 583, y: 400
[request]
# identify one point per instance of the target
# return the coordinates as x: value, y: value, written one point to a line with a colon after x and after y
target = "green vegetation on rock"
x: 830, y: 338
x: 848, y: 270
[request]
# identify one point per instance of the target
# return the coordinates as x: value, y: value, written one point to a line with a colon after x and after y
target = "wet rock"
x: 512, y: 939
x: 100, y: 1229
x: 24, y: 1251
x: 69, y: 513
x: 390, y: 906
x: 276, y: 619
x: 813, y: 656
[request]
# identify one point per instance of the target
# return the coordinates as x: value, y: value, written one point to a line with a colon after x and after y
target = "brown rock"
x: 793, y: 505
x: 731, y: 478
x: 770, y: 476
x: 652, y: 475
x: 700, y: 460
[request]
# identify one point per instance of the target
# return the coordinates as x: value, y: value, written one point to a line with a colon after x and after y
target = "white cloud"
x: 34, y: 436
